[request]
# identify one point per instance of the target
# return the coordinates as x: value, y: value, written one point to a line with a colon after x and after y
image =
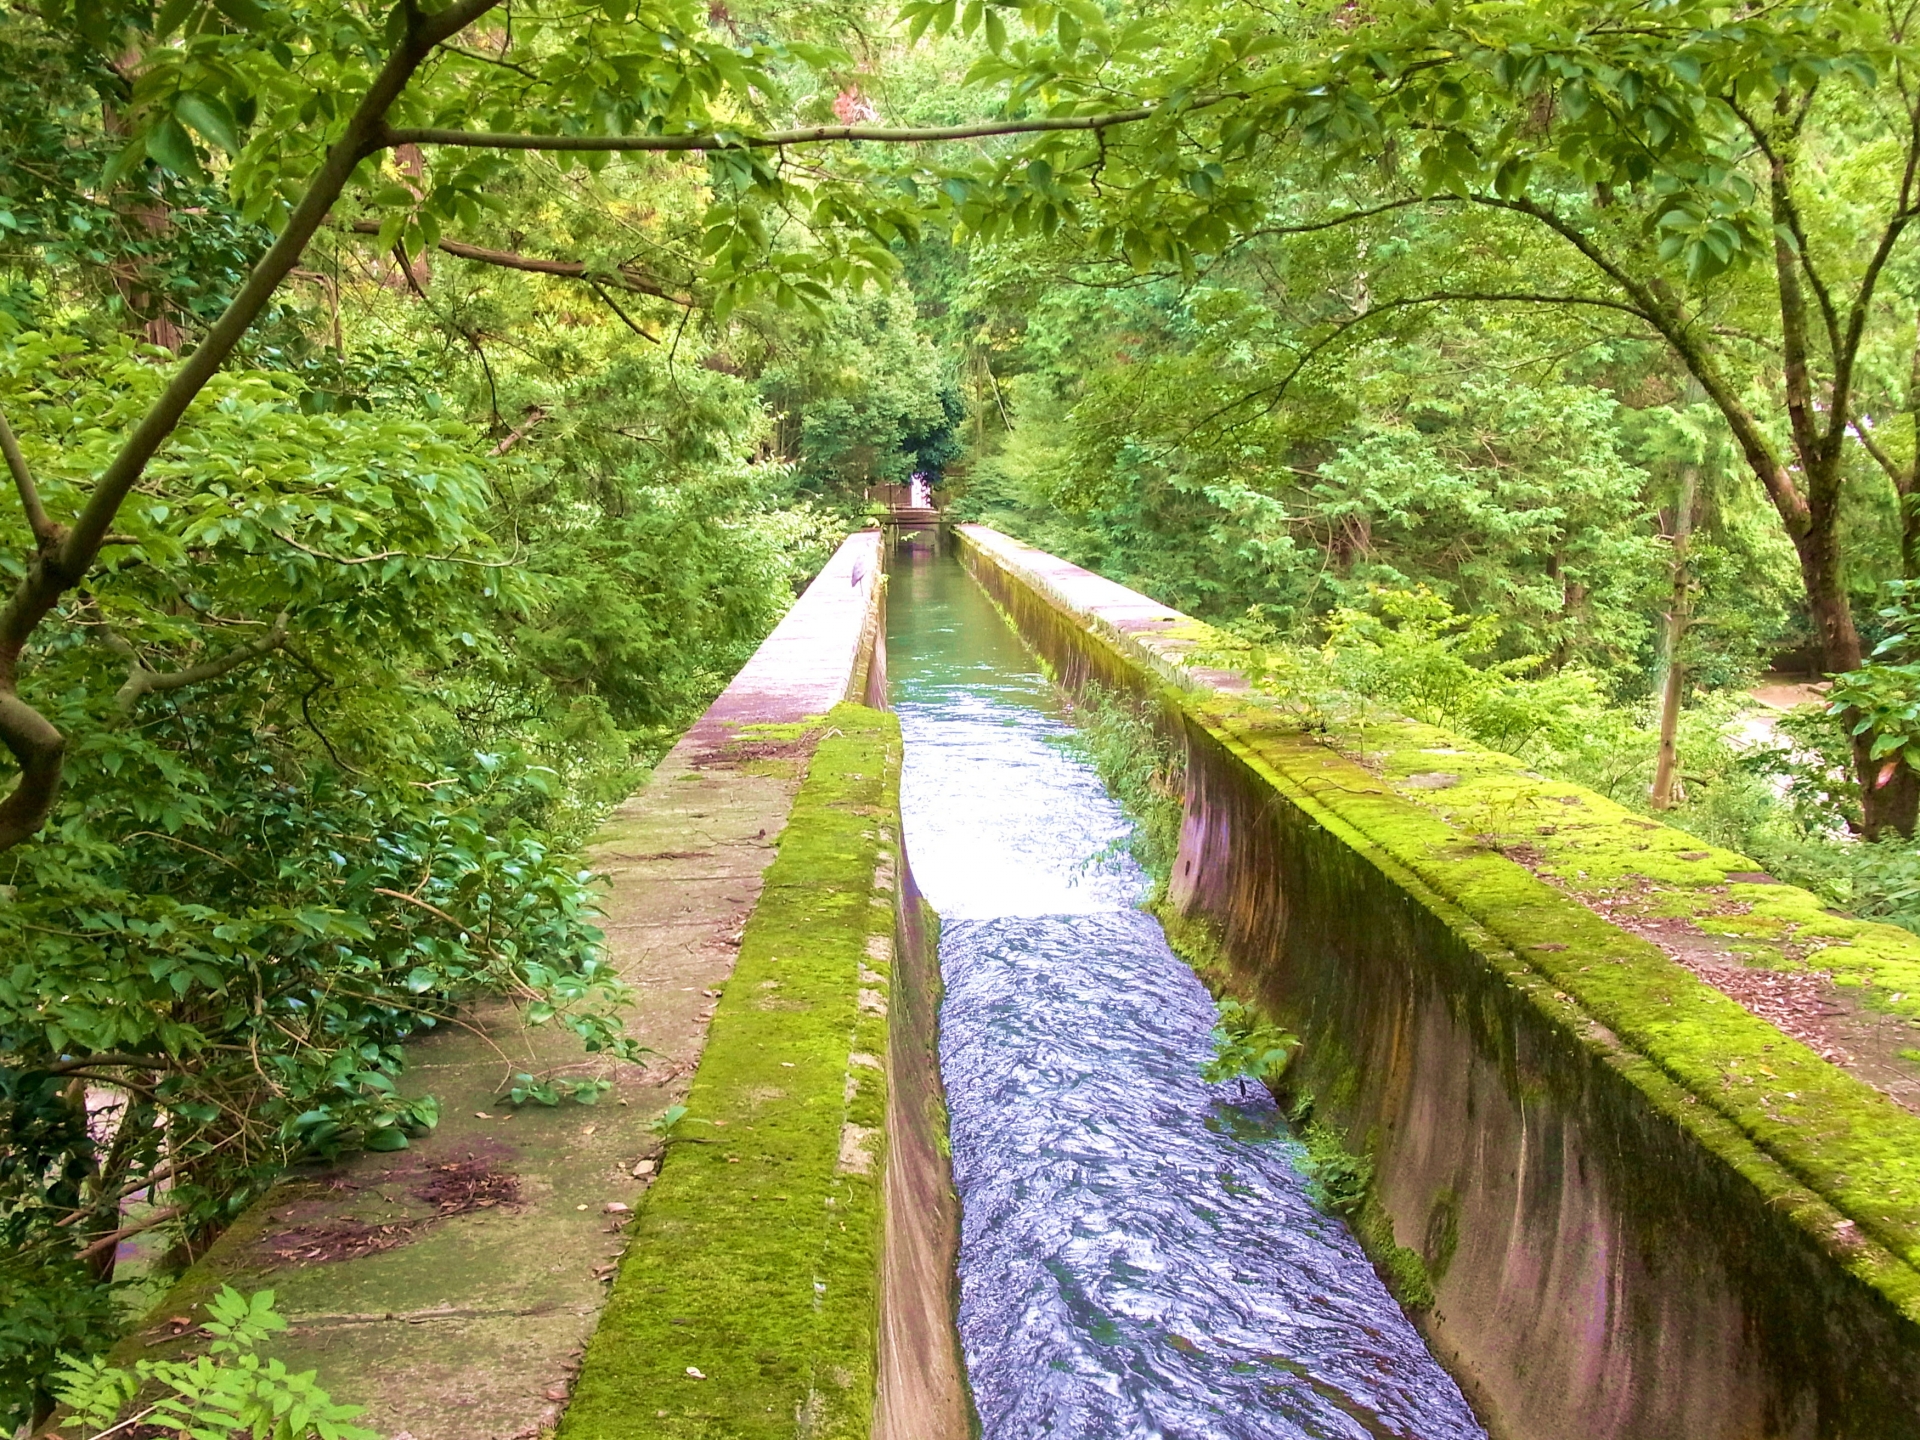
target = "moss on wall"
x: 746, y: 1305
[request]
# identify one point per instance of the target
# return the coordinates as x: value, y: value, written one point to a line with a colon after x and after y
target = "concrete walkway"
x: 451, y: 1288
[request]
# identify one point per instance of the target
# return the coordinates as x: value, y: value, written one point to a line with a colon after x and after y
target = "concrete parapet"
x: 451, y: 1288
x: 1637, y: 1210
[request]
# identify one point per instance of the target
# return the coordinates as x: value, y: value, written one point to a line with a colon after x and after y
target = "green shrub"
x: 228, y: 1391
x: 1248, y: 1047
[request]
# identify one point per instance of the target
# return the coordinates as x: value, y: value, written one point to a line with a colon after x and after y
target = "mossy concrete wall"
x: 1644, y: 1213
x: 790, y: 1273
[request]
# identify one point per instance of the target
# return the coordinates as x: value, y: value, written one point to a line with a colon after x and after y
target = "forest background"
x: 1525, y: 368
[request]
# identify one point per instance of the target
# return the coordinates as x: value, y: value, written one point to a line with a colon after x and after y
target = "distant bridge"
x: 907, y: 513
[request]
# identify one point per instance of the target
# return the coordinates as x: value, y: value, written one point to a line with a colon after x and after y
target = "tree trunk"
x: 1889, y: 790
x: 1679, y: 612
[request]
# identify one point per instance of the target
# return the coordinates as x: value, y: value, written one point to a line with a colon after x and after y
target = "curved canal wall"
x: 1619, y: 1204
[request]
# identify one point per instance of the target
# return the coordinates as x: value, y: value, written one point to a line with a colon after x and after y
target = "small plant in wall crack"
x: 1246, y: 1047
x: 229, y: 1391
x: 1145, y: 770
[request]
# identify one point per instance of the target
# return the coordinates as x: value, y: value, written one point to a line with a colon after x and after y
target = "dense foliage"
x: 415, y: 413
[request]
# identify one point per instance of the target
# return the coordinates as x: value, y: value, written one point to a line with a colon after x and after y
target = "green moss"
x: 755, y: 1259
x: 1443, y: 1234
x: 766, y: 731
x: 1196, y: 940
x: 1343, y: 1182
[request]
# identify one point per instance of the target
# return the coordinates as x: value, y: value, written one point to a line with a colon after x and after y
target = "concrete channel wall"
x: 777, y: 1256
x: 1620, y: 1206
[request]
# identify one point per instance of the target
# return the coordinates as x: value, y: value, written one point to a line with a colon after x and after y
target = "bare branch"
x: 1347, y: 219
x: 780, y: 139
x: 625, y: 319
x: 513, y: 437
x: 109, y: 1060
x: 1886, y: 462
x: 107, y: 1241
x: 1277, y: 390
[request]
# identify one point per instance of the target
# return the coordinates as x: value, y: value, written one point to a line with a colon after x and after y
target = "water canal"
x: 1140, y: 1256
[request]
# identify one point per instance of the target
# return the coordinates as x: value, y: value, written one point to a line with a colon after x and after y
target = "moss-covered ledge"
x: 747, y: 1302
x: 1847, y: 1158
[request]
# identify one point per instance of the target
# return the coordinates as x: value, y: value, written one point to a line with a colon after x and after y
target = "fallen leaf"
x: 614, y: 1207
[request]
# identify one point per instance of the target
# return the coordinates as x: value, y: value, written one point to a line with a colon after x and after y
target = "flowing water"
x: 1139, y: 1256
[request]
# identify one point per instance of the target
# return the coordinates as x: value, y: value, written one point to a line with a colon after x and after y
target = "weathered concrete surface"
x: 922, y: 1393
x: 1644, y: 1213
x: 468, y: 1325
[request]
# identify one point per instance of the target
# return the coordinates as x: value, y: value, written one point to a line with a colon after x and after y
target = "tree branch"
x: 1747, y: 433
x: 1280, y: 388
x: 1786, y: 209
x: 1880, y: 457
x: 27, y: 734
x: 142, y: 681
x: 625, y: 319
x: 780, y: 139
x: 45, y: 532
x: 623, y: 276
x: 535, y: 414
x: 109, y: 1059
x: 158, y: 1217
x: 1347, y: 219
x: 39, y: 749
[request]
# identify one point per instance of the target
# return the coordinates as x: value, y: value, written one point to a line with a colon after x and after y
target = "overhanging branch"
x: 143, y: 681
x: 781, y: 139
x: 624, y: 276
x: 1279, y: 388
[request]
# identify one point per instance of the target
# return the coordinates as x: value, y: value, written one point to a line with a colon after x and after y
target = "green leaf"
x: 167, y: 143
x: 245, y: 13
x: 124, y: 163
x: 172, y: 16
x: 209, y: 115
x: 996, y: 32
x: 386, y: 1137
